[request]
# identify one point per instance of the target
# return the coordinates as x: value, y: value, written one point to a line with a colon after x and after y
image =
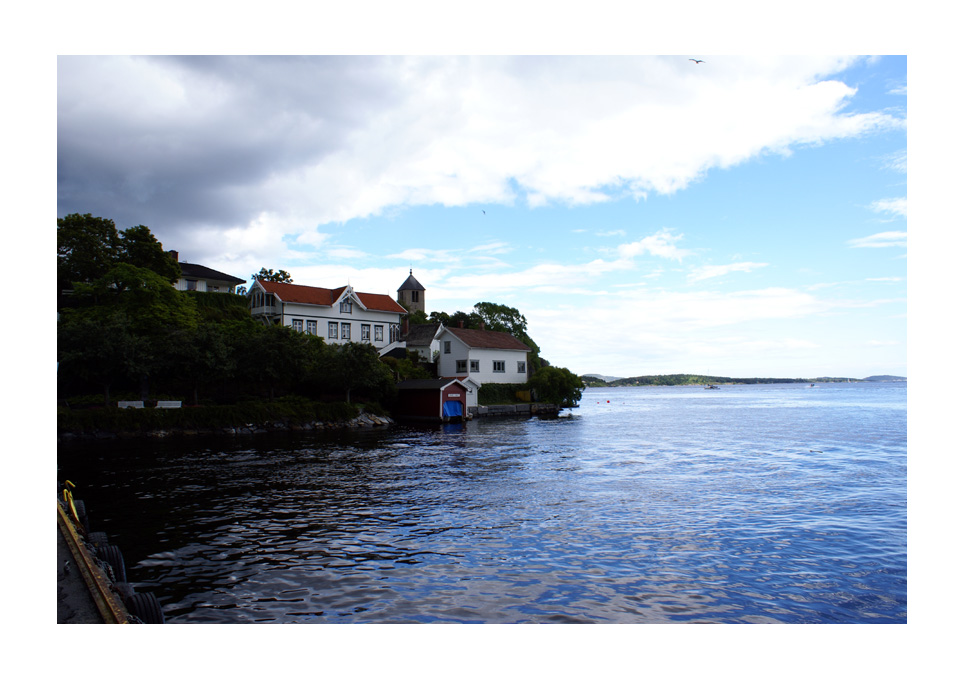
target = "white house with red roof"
x: 338, y: 315
x: 482, y: 356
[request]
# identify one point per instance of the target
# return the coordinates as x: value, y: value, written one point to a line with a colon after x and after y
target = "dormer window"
x: 346, y: 306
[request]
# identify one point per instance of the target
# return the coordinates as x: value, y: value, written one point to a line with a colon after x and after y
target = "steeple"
x: 412, y: 293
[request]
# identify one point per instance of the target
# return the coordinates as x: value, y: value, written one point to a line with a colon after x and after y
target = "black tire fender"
x: 145, y: 607
x: 98, y: 538
x: 111, y: 554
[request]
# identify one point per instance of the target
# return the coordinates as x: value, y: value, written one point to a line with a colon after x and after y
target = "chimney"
x: 173, y: 254
x: 461, y: 324
x: 405, y: 326
x: 481, y: 325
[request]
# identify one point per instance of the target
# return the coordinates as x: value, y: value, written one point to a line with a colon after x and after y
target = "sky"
x: 743, y: 216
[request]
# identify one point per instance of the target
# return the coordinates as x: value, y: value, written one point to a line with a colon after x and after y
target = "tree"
x: 501, y: 318
x: 87, y: 247
x: 152, y: 310
x: 202, y: 357
x: 138, y: 247
x: 150, y: 302
x: 269, y: 275
x: 356, y: 366
x: 92, y: 349
x: 508, y: 320
x: 557, y: 386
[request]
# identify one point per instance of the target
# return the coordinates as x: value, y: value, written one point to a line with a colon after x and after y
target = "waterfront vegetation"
x: 125, y: 333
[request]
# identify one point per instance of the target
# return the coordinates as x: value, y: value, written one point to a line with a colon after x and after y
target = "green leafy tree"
x: 152, y: 310
x: 281, y: 276
x: 557, y: 386
x: 92, y: 349
x: 501, y: 318
x: 355, y: 366
x: 87, y: 247
x: 201, y: 358
x: 150, y: 302
x: 139, y: 248
x: 508, y: 320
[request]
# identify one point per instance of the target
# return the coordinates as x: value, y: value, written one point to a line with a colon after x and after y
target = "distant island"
x: 595, y: 380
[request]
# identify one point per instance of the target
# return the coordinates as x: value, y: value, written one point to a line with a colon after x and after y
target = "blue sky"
x: 745, y: 216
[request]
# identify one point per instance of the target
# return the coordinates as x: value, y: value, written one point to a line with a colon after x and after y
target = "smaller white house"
x: 204, y: 279
x: 482, y: 356
x: 338, y: 315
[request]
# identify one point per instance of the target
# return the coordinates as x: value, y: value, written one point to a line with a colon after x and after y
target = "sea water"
x: 749, y: 504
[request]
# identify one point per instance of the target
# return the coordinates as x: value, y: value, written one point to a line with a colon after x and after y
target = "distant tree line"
x: 691, y: 379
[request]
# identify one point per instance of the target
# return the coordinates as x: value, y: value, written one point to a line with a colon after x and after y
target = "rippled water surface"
x: 756, y: 504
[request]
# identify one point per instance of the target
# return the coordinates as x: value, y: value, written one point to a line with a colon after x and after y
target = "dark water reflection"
x: 650, y: 505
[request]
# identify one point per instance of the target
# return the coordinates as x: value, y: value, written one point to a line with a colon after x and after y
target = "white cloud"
x: 886, y: 239
x: 896, y: 161
x: 663, y: 326
x: 893, y: 206
x: 660, y: 244
x: 712, y: 271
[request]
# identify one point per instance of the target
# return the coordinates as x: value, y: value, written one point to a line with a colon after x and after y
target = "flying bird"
x: 483, y: 212
x: 698, y: 61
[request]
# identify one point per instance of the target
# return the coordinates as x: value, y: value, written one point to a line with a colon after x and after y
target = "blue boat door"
x: 452, y: 409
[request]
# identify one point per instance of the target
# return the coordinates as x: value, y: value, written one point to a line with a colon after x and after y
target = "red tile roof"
x: 488, y: 339
x: 310, y: 295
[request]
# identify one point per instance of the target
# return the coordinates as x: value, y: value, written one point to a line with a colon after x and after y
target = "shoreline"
x: 363, y: 421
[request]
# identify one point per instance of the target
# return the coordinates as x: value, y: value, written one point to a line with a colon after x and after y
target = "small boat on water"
x: 711, y: 387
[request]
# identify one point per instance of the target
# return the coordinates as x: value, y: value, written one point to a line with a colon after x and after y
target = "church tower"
x: 412, y: 294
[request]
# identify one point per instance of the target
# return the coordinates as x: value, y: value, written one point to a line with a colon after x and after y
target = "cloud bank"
x: 240, y: 151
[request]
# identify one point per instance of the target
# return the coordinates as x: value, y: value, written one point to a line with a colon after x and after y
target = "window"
x: 460, y: 366
x: 215, y: 289
x: 474, y: 365
x: 312, y: 327
x: 395, y: 332
x: 296, y: 324
x: 366, y: 332
x: 346, y: 307
x: 448, y: 346
x: 333, y: 329
x: 346, y: 331
x: 414, y: 296
x: 498, y: 367
x: 522, y: 366
x: 379, y: 333
x: 191, y: 284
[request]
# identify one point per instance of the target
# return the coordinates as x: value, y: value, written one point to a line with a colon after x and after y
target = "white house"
x: 203, y: 279
x: 338, y: 315
x: 482, y: 356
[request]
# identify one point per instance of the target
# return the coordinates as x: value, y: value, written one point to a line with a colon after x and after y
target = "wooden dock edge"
x: 108, y: 603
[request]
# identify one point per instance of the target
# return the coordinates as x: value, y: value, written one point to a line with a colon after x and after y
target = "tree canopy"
x: 281, y: 276
x: 557, y: 386
x: 88, y: 247
x: 138, y: 247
